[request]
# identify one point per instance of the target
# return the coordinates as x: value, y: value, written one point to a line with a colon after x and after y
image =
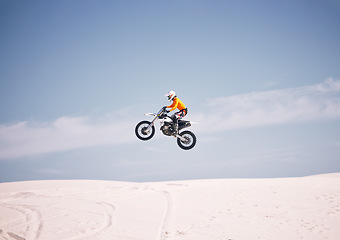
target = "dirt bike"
x: 145, y: 130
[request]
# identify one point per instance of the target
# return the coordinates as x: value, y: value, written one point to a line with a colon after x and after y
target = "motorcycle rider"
x: 176, y: 103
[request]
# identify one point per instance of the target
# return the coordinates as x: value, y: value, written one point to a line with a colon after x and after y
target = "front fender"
x: 150, y: 114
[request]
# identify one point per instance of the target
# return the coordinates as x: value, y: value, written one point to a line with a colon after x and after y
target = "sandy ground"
x: 217, y: 209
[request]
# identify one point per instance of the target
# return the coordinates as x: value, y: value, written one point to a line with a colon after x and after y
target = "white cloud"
x: 321, y: 101
x: 65, y: 133
x: 316, y: 102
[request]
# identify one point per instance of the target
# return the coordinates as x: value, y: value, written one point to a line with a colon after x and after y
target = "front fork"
x: 151, y: 124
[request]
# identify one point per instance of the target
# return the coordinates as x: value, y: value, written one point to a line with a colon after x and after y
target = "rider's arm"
x: 174, y: 104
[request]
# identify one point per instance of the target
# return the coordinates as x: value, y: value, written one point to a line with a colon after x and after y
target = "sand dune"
x: 217, y: 209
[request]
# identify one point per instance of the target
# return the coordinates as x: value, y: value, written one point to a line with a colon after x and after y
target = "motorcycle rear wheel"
x: 141, y: 130
x: 190, y: 140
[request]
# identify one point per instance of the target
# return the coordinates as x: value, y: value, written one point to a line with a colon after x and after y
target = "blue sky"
x: 262, y: 78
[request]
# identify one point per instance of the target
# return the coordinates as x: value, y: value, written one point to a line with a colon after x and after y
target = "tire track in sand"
x: 31, y: 225
x: 165, y: 233
x: 32, y: 221
x: 106, y: 224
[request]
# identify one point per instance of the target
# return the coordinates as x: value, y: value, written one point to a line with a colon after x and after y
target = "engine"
x: 167, y: 129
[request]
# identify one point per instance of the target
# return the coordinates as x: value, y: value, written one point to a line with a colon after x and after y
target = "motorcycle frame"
x: 157, y: 117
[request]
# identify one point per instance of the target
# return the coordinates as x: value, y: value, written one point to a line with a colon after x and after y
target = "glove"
x: 165, y: 110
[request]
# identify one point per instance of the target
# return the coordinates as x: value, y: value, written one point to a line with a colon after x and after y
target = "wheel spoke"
x: 144, y: 131
x: 187, y: 141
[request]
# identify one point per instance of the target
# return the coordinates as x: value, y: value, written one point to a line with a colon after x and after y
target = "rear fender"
x: 183, y: 124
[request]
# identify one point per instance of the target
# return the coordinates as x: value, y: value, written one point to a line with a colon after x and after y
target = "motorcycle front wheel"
x: 142, y: 131
x: 189, y: 142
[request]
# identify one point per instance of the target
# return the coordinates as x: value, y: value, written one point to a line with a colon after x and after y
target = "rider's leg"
x: 175, y: 123
x: 177, y: 117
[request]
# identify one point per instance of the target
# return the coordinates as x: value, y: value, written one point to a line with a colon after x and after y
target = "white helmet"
x: 170, y: 95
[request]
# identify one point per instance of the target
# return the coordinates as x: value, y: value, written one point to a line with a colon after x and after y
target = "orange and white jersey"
x: 177, y: 103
